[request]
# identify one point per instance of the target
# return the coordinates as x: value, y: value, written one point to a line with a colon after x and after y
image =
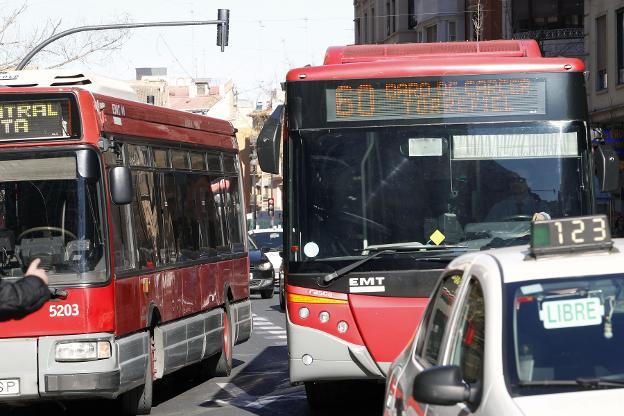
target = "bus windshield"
x: 50, y: 210
x: 473, y: 185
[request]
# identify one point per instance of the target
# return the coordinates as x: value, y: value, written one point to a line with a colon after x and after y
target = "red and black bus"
x: 137, y: 214
x: 398, y: 158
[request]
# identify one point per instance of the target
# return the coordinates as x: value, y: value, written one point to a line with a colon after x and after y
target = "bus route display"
x: 44, y: 118
x: 360, y: 100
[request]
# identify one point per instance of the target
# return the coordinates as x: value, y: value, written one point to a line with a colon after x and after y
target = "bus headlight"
x: 264, y: 266
x: 83, y: 351
x: 342, y: 327
x: 304, y: 313
x: 324, y: 317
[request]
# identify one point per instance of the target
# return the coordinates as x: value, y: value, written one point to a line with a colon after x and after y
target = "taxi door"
x: 465, y: 345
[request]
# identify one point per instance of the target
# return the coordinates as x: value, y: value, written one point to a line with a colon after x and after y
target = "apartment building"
x: 384, y: 21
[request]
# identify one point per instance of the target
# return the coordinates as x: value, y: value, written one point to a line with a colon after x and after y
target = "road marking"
x: 269, y: 330
x: 266, y: 400
x: 235, y: 391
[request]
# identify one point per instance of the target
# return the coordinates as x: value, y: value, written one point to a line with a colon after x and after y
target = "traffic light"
x: 271, y: 207
x: 223, y: 29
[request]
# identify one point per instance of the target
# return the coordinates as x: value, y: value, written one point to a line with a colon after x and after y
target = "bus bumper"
x: 30, y: 365
x: 332, y: 358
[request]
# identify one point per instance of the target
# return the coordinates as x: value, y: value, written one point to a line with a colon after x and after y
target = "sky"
x: 267, y: 37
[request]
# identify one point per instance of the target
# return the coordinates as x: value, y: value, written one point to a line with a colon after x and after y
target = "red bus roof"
x: 434, y: 59
x: 106, y: 114
x: 368, y: 53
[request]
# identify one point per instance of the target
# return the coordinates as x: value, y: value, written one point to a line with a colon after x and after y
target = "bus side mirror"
x: 607, y: 167
x: 269, y: 141
x: 120, y: 181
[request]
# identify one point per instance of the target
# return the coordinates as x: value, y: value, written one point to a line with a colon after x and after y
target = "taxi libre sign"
x: 572, y: 313
x: 32, y: 119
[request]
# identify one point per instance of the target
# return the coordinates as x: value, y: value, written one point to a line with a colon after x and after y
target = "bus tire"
x: 317, y: 395
x: 138, y: 401
x: 223, y: 363
x: 267, y: 294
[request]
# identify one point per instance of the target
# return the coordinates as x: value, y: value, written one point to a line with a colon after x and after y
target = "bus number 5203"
x: 57, y: 311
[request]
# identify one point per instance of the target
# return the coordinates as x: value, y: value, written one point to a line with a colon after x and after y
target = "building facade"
x: 384, y: 21
x: 604, y: 43
x: 556, y: 24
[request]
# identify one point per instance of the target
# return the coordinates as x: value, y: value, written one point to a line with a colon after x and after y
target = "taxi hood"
x: 596, y: 402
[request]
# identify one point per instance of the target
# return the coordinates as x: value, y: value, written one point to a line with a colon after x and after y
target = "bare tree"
x: 477, y: 21
x: 14, y: 44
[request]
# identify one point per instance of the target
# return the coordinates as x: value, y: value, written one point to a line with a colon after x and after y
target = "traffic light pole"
x: 222, y: 22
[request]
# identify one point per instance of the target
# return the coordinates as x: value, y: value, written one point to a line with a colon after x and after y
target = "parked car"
x: 270, y: 240
x: 522, y: 330
x: 261, y: 272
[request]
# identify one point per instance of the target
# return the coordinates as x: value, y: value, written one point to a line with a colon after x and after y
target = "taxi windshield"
x: 564, y: 333
x: 271, y: 239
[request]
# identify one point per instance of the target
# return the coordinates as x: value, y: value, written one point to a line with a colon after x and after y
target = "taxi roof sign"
x: 571, y: 234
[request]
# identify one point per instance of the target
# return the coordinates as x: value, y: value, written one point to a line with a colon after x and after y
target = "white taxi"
x: 535, y: 330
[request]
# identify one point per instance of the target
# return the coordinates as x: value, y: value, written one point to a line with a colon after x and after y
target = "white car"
x: 270, y: 240
x: 535, y: 330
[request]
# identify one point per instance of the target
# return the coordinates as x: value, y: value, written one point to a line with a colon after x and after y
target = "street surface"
x: 258, y: 384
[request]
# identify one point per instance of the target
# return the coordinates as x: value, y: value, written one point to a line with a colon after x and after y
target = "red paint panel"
x: 163, y: 116
x: 225, y: 274
x: 158, y: 131
x: 191, y: 296
x: 367, y: 53
x: 208, y: 278
x: 86, y: 310
x: 386, y: 323
x: 435, y: 67
x: 240, y: 278
x: 128, y: 317
x: 337, y: 313
x: 315, y: 292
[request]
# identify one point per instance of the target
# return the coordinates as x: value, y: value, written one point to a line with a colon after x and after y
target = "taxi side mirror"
x: 444, y: 386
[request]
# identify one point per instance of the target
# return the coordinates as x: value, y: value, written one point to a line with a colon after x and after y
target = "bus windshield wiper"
x: 330, y: 277
x: 414, y: 247
x: 393, y: 249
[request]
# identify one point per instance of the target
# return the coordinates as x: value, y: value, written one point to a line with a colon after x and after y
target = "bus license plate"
x: 9, y: 386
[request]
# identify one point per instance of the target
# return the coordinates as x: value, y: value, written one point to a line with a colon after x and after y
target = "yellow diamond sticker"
x: 437, y: 237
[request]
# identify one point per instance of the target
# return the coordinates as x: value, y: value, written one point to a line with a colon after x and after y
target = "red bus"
x: 137, y: 213
x: 398, y: 158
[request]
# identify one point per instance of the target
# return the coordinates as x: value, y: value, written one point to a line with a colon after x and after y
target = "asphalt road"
x: 258, y: 384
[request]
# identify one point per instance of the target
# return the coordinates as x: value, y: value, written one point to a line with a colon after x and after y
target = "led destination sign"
x: 449, y: 98
x: 34, y: 119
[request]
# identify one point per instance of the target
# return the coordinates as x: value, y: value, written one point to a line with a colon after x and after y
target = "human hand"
x: 35, y: 270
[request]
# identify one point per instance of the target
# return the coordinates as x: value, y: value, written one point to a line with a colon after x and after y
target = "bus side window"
x: 168, y: 207
x: 145, y: 219
x: 185, y: 221
x: 234, y: 214
x: 122, y: 237
x: 216, y: 186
